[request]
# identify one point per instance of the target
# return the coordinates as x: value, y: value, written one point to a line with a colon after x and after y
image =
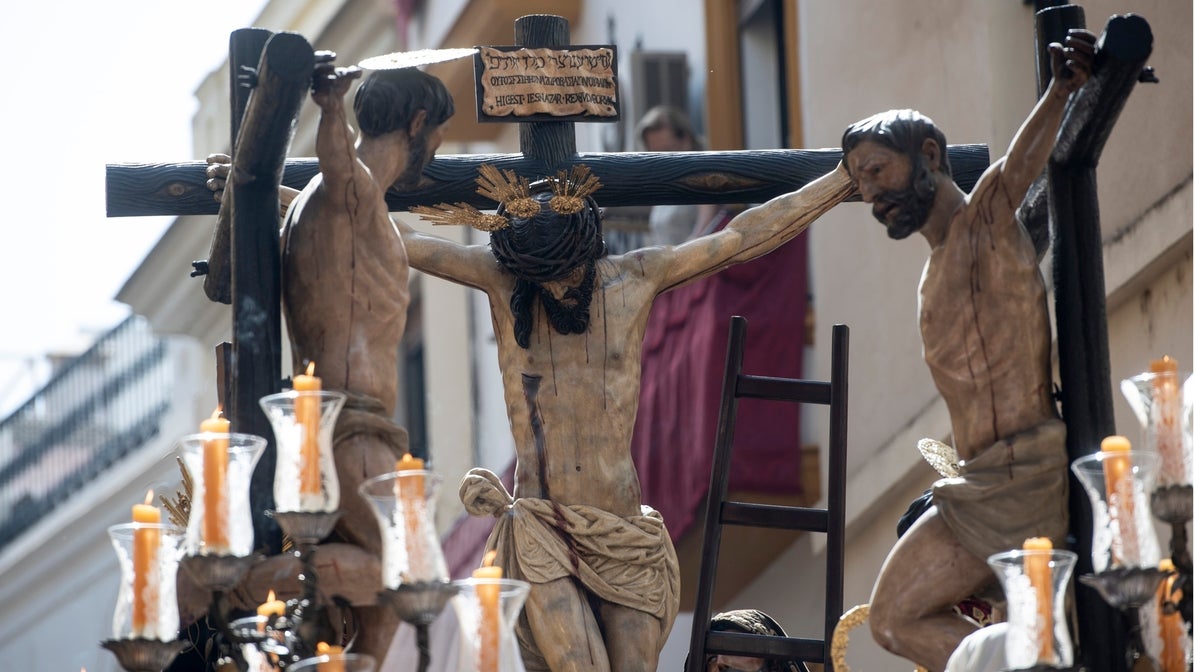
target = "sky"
x: 89, y: 83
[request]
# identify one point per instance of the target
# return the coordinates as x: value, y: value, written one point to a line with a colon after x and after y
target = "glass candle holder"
x: 487, y: 611
x: 1162, y: 404
x: 146, y: 604
x: 305, y: 473
x: 1035, y: 584
x: 404, y: 503
x: 261, y: 644
x: 220, y: 465
x: 335, y: 662
x: 1123, y: 533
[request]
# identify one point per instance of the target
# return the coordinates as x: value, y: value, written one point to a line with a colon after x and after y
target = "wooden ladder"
x: 831, y: 520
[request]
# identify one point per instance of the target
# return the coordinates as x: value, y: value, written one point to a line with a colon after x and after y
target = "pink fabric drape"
x: 684, y: 357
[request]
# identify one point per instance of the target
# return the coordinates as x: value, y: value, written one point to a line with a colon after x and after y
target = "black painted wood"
x: 1086, y: 394
x: 719, y: 511
x: 245, y: 48
x: 551, y: 142
x: 784, y: 648
x: 283, y: 78
x: 630, y: 178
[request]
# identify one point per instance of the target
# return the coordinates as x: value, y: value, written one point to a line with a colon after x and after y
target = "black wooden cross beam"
x: 1079, y: 296
x: 628, y: 178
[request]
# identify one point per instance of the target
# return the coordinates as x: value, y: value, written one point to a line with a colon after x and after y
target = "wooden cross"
x: 244, y: 266
x: 283, y: 78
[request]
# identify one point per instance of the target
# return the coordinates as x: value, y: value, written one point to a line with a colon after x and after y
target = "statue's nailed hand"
x: 329, y: 83
x: 1071, y: 63
x: 217, y: 174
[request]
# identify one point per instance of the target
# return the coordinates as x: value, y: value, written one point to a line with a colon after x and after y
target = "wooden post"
x: 550, y: 142
x: 245, y: 47
x: 628, y: 178
x: 1079, y: 295
x: 283, y: 78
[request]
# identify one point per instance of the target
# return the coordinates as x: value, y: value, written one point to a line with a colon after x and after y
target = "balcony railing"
x: 98, y: 408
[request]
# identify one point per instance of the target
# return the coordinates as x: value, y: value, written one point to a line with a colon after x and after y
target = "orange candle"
x: 271, y: 609
x: 215, y: 485
x: 334, y: 665
x: 307, y: 412
x: 488, y: 628
x: 1174, y: 658
x: 1037, y: 568
x: 145, y: 560
x: 1164, y: 421
x: 1119, y: 488
x: 411, y: 492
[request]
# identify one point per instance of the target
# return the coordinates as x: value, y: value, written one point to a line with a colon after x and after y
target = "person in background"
x: 752, y: 622
x: 666, y: 129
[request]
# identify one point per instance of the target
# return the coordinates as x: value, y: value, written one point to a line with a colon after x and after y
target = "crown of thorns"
x: 569, y: 191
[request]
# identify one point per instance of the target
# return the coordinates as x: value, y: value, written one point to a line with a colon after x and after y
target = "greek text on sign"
x: 555, y: 82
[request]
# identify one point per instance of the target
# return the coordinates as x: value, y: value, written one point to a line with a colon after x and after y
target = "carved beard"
x: 910, y: 206
x: 417, y: 160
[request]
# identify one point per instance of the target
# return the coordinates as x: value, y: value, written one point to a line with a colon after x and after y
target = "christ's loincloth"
x: 1014, y: 490
x: 624, y: 561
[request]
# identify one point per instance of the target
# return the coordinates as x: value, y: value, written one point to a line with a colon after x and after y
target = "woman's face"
x: 724, y: 663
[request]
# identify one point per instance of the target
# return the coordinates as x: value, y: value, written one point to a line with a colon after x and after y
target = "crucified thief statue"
x: 569, y: 322
x: 344, y: 277
x: 985, y: 333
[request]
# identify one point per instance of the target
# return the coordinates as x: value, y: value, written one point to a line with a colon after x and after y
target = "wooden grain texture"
x: 283, y: 79
x: 552, y: 142
x: 1086, y: 395
x: 630, y: 178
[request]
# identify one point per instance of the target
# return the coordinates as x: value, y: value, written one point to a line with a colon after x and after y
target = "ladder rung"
x: 783, y: 389
x: 765, y: 646
x: 770, y: 515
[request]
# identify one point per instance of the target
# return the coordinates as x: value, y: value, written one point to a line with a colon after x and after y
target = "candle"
x: 145, y: 560
x: 410, y: 491
x: 1174, y: 658
x: 335, y: 664
x: 215, y: 485
x: 271, y: 609
x: 1164, y: 421
x: 489, y: 625
x: 1037, y: 568
x: 1118, y: 484
x: 307, y: 412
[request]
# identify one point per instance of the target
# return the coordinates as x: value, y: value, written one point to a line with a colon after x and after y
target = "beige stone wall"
x: 970, y: 67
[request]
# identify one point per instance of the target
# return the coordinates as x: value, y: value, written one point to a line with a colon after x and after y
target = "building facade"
x: 753, y: 74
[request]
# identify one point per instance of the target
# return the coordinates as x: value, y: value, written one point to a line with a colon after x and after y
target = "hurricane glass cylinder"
x: 146, y: 607
x: 305, y: 473
x: 1123, y: 533
x: 1162, y: 404
x: 1037, y: 634
x: 221, y: 466
x: 487, y: 611
x: 411, y: 550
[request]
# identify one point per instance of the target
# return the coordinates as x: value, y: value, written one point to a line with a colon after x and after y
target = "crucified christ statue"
x: 569, y: 321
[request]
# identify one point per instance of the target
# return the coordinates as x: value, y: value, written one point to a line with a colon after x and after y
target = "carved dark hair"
x: 545, y: 247
x: 388, y: 101
x: 899, y: 130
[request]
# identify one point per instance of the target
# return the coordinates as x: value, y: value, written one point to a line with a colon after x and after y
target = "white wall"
x: 58, y: 580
